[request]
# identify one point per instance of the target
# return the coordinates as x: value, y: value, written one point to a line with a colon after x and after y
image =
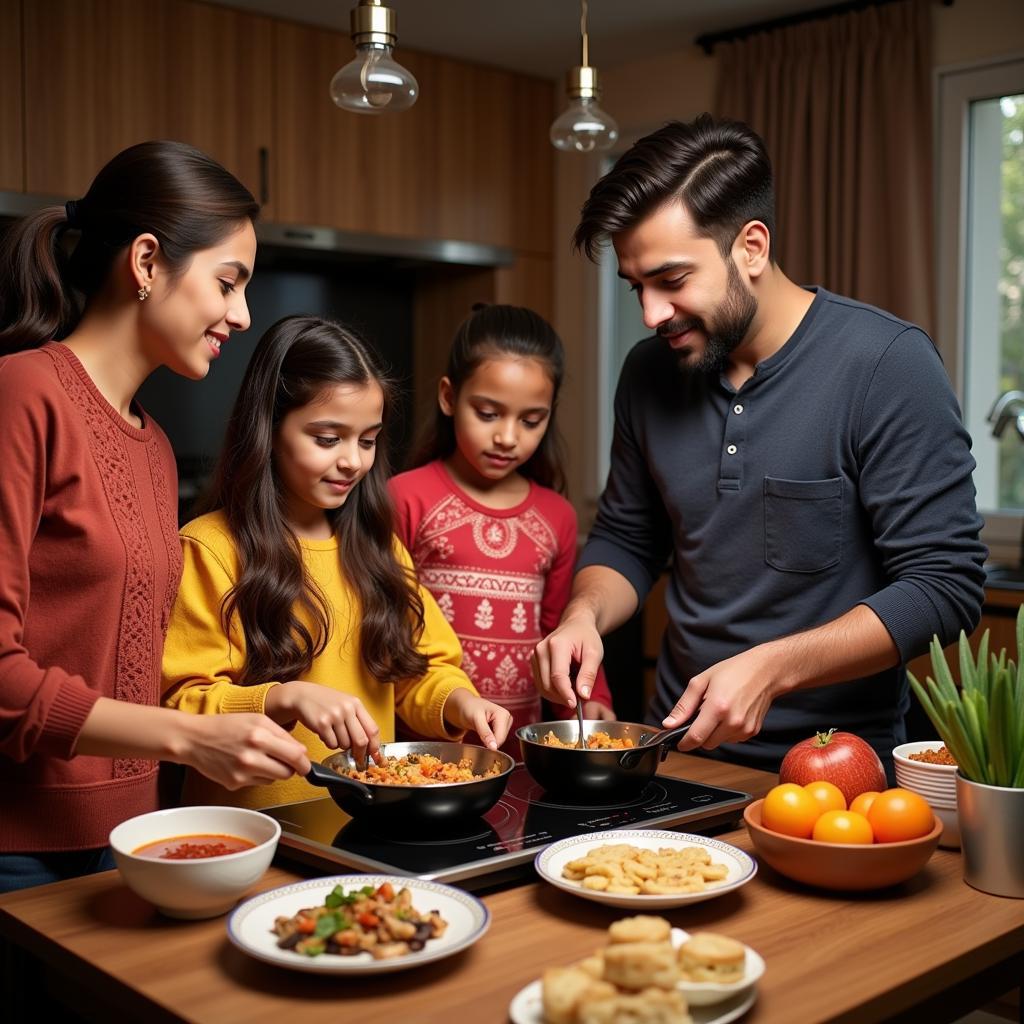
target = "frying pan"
x: 595, y: 775
x: 416, y: 806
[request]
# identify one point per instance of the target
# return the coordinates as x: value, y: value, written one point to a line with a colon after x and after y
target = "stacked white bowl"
x: 935, y: 782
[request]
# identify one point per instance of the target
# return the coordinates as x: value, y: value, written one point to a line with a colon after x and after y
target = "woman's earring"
x: 144, y: 293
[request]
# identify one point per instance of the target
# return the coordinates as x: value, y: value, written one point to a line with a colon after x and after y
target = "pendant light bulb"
x: 583, y: 127
x: 374, y: 82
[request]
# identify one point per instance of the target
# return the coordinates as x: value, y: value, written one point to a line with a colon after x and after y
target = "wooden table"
x: 924, y: 951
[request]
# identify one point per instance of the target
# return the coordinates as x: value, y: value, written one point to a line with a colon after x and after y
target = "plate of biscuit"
x: 647, y: 971
x: 645, y: 869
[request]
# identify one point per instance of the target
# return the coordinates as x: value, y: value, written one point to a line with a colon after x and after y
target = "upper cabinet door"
x: 471, y: 160
x: 101, y: 75
x: 12, y: 153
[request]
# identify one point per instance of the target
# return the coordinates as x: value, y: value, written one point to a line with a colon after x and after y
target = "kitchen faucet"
x: 1008, y: 406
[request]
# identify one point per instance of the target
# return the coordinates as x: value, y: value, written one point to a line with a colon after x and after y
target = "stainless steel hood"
x: 309, y: 240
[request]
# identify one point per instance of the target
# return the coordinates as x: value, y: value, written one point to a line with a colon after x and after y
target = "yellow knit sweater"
x: 202, y: 665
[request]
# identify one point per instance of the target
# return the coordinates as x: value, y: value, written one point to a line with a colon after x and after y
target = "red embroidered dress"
x: 501, y: 577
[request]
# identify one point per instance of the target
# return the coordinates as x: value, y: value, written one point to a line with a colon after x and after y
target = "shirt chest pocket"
x: 803, y: 524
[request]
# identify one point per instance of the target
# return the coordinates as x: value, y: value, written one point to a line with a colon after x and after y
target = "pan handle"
x: 666, y: 739
x: 319, y: 775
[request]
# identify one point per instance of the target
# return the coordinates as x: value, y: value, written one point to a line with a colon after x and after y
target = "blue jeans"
x: 24, y: 870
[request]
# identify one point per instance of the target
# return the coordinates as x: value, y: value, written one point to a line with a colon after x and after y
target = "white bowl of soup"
x: 194, y: 862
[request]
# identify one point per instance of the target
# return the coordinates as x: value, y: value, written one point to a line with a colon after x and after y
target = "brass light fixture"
x: 374, y: 83
x: 583, y: 126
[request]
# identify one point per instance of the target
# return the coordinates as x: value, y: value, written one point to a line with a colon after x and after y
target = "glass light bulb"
x: 584, y: 127
x: 374, y: 83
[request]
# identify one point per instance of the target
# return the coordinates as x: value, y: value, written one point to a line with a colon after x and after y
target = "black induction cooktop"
x: 500, y: 846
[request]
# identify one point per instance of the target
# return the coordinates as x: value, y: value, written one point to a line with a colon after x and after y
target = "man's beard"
x: 729, y: 325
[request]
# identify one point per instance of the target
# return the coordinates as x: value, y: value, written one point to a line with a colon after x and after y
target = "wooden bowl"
x: 843, y: 866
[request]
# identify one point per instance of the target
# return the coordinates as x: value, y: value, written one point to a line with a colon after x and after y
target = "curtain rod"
x: 707, y: 41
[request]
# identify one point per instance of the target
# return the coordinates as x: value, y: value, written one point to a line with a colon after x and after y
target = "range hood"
x: 310, y: 240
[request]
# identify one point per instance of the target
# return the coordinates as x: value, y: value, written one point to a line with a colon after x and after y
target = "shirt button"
x: 737, y: 409
x: 731, y: 449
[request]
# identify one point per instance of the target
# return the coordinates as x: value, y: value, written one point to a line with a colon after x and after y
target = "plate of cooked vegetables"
x: 645, y: 868
x: 358, y: 924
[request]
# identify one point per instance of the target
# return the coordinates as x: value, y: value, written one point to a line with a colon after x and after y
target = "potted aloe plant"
x: 981, y: 721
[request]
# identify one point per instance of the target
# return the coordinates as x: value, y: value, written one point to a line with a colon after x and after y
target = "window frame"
x: 956, y: 87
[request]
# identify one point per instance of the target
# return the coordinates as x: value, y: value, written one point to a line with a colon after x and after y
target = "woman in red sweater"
x: 148, y: 269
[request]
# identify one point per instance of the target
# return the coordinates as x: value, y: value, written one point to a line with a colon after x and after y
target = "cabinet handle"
x: 264, y: 175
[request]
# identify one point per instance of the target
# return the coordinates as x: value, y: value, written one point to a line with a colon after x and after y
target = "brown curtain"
x: 844, y: 106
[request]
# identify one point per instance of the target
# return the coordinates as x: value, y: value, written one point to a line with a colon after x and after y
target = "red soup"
x: 193, y: 847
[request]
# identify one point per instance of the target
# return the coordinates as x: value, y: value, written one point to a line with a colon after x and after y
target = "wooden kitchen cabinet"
x: 101, y: 75
x: 12, y: 151
x: 470, y: 161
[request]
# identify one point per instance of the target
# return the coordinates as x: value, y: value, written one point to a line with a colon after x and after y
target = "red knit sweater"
x: 89, y: 564
x: 502, y: 577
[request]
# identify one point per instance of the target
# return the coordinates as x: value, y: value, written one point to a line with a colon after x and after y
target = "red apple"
x: 841, y: 758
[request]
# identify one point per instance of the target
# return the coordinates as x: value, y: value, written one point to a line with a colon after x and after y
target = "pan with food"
x: 423, y: 783
x: 618, y: 760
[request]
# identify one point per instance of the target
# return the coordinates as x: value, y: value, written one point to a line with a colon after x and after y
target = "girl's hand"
x: 465, y: 710
x: 594, y: 709
x: 239, y: 749
x: 340, y: 720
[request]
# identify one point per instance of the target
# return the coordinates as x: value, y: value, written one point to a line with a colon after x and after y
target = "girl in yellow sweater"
x: 297, y: 600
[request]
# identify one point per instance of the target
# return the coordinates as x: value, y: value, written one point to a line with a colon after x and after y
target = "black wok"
x: 590, y: 776
x: 416, y: 806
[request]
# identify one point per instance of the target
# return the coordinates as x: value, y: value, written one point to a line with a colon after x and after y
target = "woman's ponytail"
x: 37, y: 302
x: 171, y: 190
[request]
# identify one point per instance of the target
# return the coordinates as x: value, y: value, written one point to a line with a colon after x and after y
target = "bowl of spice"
x: 927, y: 768
x: 194, y: 862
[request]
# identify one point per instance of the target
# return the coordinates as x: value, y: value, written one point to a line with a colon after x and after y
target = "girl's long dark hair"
x: 293, y: 363
x: 489, y: 332
x: 52, y: 262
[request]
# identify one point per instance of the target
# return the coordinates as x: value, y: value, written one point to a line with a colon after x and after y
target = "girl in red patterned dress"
x: 483, y: 515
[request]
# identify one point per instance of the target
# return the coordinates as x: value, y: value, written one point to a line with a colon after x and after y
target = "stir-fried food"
x: 378, y: 921
x: 419, y: 770
x: 595, y: 741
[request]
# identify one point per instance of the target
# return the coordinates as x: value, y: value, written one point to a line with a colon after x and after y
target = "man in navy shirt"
x: 797, y: 457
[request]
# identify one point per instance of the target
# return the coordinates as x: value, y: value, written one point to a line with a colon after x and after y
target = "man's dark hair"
x: 719, y: 169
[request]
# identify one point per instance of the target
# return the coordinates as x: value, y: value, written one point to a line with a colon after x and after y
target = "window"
x: 981, y: 266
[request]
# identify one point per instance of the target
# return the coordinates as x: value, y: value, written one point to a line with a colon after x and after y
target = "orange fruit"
x: 791, y: 810
x: 898, y: 814
x: 862, y: 803
x: 829, y: 796
x: 843, y: 827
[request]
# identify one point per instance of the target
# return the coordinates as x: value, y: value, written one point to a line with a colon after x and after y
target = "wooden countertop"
x: 925, y: 950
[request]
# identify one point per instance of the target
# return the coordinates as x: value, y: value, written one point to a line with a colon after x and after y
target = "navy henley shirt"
x: 838, y: 474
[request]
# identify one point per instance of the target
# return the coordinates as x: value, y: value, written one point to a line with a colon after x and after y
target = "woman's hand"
x: 234, y: 750
x: 339, y: 719
x: 238, y: 750
x: 463, y: 709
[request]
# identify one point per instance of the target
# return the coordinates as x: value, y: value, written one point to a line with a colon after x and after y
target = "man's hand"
x: 575, y: 641
x: 730, y: 700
